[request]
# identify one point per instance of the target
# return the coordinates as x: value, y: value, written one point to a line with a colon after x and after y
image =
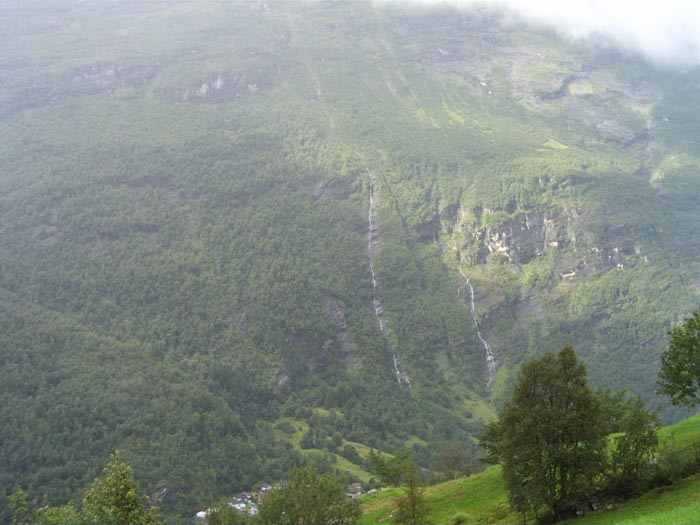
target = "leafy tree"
x: 615, y: 405
x: 679, y: 377
x: 112, y: 499
x: 452, y: 459
x: 388, y: 469
x: 635, y: 446
x: 411, y: 507
x: 350, y: 453
x: 65, y: 515
x: 308, y: 440
x: 224, y: 514
x: 549, y: 437
x: 308, y: 499
x: 18, y: 506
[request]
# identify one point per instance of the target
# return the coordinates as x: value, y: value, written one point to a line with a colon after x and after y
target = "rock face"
x: 227, y: 86
x: 94, y: 79
x: 105, y: 77
x: 336, y: 189
x: 546, y: 83
x: 519, y: 239
x: 342, y: 338
x: 521, y: 235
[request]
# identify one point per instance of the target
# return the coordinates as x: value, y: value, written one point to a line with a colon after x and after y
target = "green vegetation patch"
x: 678, y: 505
x: 481, y: 498
x: 555, y: 144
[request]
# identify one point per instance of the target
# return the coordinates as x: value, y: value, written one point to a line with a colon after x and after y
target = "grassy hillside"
x: 186, y: 268
x: 678, y: 504
x: 482, y: 498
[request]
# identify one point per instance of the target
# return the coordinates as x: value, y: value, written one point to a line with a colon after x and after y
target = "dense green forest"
x: 186, y: 266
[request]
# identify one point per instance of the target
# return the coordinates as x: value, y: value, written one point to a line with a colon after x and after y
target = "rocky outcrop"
x: 519, y: 238
x: 85, y: 80
x: 338, y: 189
x: 227, y: 86
x: 342, y: 338
x: 496, y: 66
x: 518, y: 235
x: 106, y: 77
x: 429, y: 228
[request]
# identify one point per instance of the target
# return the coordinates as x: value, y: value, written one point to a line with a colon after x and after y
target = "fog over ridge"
x: 665, y: 32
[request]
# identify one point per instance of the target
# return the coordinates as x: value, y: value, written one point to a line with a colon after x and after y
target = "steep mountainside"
x: 235, y: 238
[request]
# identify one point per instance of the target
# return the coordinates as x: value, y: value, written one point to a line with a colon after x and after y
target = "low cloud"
x: 665, y: 32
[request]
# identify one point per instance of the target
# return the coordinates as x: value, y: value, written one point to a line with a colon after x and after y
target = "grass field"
x: 678, y: 504
x: 481, y: 498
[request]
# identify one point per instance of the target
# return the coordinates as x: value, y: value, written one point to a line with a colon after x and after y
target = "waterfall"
x: 373, y: 244
x: 656, y: 173
x: 491, y: 365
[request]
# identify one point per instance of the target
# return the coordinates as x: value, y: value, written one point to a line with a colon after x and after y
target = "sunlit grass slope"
x: 482, y: 498
x: 679, y: 504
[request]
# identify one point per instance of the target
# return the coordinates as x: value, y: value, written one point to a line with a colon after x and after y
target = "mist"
x: 665, y: 33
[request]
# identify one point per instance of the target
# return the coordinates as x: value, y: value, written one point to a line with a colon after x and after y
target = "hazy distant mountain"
x: 236, y: 238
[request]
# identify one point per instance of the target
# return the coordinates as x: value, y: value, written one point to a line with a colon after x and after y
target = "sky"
x: 664, y: 31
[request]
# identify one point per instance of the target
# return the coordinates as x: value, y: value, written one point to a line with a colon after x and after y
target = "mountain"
x: 237, y: 238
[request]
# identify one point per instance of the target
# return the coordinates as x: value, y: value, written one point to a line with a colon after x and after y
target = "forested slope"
x: 184, y: 247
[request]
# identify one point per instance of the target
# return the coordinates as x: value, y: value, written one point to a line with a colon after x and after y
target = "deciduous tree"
x: 549, y: 437
x: 308, y: 499
x: 634, y: 447
x: 452, y: 459
x: 411, y: 507
x: 679, y: 377
x: 224, y: 514
x: 17, y: 502
x: 112, y: 499
x: 390, y: 469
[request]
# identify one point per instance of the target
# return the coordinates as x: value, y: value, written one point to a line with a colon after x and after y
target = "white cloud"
x: 663, y: 31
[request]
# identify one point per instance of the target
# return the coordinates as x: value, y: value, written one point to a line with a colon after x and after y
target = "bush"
x: 673, y: 465
x: 286, y: 427
x: 350, y: 453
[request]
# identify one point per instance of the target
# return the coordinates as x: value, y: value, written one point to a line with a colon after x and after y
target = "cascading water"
x: 491, y: 365
x: 656, y: 174
x: 373, y: 244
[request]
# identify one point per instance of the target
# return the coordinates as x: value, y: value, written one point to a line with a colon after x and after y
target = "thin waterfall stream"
x: 491, y: 365
x: 374, y: 243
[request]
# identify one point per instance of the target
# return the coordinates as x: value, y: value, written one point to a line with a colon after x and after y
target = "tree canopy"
x: 390, y: 469
x: 411, y: 507
x: 308, y: 499
x: 634, y: 447
x: 679, y: 377
x: 549, y: 438
x: 112, y: 499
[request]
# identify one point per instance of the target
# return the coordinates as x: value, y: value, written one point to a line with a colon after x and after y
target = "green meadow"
x: 482, y: 498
